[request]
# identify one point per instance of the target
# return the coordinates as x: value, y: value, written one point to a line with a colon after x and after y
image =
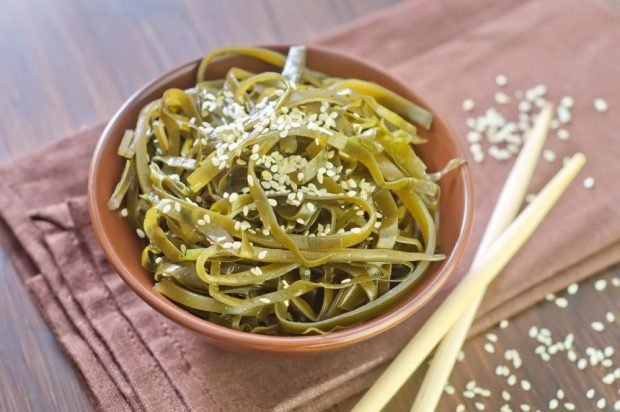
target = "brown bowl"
x: 122, y: 246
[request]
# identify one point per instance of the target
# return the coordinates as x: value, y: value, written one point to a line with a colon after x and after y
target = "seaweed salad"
x: 284, y: 202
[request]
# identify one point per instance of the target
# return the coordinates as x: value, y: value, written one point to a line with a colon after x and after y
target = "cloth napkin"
x: 132, y: 358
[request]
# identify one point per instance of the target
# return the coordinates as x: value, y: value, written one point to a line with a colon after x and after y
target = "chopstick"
x: 497, y: 256
x: 506, y: 208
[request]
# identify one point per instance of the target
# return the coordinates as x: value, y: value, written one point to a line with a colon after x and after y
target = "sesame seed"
x: 549, y: 155
x: 540, y: 102
x: 569, y: 406
x: 506, y: 396
x: 468, y: 105
x: 460, y: 408
x: 488, y: 347
x: 563, y: 134
x: 449, y: 389
x: 480, y: 406
x: 524, y: 106
x: 526, y: 385
x: 177, y: 207
x: 345, y: 281
x: 567, y: 101
x: 553, y: 404
x: 561, y: 302
x: 572, y: 288
x: 200, y: 222
x: 582, y: 364
x: 512, y: 379
x: 600, y: 285
x: 588, y: 182
x: 124, y: 212
x: 502, y: 98
x: 601, y: 403
x: 564, y: 115
x: 158, y: 260
x: 207, y: 218
x: 356, y: 230
x: 140, y: 233
x: 560, y: 394
x: 501, y: 80
x: 262, y: 254
x: 610, y: 317
x: 233, y: 197
x: 503, y: 324
x: 273, y: 202
x: 617, y: 405
x: 167, y: 208
x: 264, y: 300
x: 600, y: 105
x: 474, y: 137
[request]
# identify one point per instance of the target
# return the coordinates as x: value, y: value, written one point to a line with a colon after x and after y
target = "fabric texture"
x: 133, y: 359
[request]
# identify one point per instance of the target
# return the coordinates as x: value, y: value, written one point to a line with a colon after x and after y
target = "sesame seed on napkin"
x: 132, y: 358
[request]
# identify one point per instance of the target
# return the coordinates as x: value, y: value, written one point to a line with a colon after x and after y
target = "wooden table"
x: 68, y: 64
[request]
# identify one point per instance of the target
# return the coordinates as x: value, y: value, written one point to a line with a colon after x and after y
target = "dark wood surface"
x: 67, y: 64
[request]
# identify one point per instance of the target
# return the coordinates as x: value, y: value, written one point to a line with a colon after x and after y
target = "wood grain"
x: 68, y: 64
x: 546, y: 378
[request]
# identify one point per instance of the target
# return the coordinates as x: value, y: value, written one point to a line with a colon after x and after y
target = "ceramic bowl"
x: 122, y: 246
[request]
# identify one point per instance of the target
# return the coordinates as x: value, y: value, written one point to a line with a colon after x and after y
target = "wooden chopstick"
x: 497, y: 256
x: 508, y: 204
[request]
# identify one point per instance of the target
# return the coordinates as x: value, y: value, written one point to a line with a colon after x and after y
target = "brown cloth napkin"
x: 132, y: 358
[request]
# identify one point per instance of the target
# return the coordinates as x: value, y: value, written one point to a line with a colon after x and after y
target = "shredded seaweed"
x: 281, y: 203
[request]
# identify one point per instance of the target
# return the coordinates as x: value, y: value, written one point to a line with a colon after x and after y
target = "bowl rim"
x: 281, y: 344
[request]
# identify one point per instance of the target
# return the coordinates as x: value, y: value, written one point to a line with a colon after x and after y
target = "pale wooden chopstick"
x: 506, y: 208
x: 497, y: 256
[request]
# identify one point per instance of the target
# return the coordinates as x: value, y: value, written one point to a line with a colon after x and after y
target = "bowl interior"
x: 123, y: 247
